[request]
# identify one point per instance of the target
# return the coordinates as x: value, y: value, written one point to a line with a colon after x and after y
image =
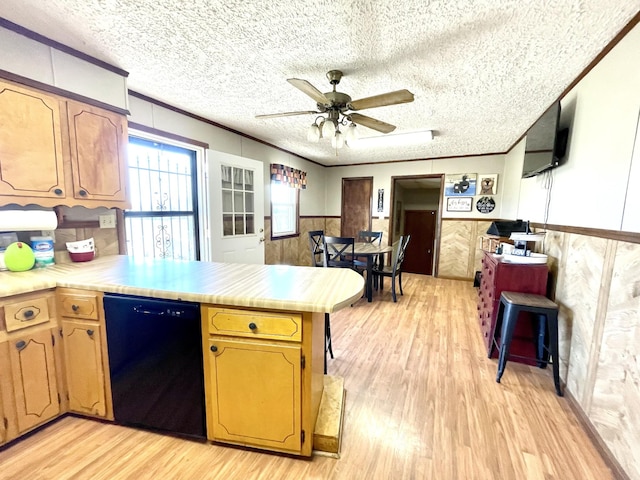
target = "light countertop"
x: 278, y: 287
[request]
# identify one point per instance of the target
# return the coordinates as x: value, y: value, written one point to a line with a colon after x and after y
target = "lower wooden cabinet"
x: 263, y: 377
x: 85, y: 352
x: 257, y: 390
x: 85, y: 372
x: 33, y: 371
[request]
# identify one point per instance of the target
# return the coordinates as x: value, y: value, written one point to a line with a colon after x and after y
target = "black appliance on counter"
x: 155, y: 360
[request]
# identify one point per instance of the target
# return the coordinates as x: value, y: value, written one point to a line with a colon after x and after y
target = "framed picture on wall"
x: 460, y: 184
x: 488, y: 184
x: 459, y: 204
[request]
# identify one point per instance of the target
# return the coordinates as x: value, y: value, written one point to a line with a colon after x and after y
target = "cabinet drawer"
x: 26, y: 313
x: 79, y: 305
x: 247, y: 323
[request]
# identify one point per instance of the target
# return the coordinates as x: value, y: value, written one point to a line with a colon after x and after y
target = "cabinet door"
x: 98, y: 153
x: 255, y: 394
x: 83, y: 358
x: 3, y: 428
x: 31, y: 162
x: 34, y: 378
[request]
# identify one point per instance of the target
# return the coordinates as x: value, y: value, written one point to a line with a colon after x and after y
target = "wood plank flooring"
x: 421, y: 403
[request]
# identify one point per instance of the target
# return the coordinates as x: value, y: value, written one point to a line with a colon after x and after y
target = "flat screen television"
x: 546, y: 143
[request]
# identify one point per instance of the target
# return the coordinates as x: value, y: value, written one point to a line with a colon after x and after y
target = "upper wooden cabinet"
x: 98, y: 140
x: 56, y: 151
x: 31, y: 159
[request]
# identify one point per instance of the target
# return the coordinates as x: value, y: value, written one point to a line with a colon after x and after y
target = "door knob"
x: 261, y: 239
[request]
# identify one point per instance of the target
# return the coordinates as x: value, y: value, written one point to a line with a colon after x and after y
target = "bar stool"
x: 511, y: 304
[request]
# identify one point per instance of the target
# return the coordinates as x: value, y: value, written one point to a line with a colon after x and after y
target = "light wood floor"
x: 422, y: 403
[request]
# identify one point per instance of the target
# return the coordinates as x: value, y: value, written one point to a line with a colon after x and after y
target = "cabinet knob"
x: 75, y: 308
x: 28, y: 313
x: 20, y: 344
x: 252, y: 326
x: 57, y: 191
x: 213, y: 348
x: 83, y: 193
x: 90, y: 333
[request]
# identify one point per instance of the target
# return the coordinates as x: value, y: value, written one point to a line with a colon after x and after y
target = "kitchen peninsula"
x: 255, y: 317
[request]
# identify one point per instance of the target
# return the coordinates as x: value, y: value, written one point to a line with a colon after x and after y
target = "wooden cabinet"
x: 30, y: 354
x: 262, y: 384
x: 33, y: 371
x: 31, y: 158
x: 85, y: 352
x: 498, y: 277
x: 55, y: 151
x: 98, y: 143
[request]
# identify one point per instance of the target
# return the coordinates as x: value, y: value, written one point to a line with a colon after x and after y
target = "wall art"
x: 462, y: 184
x: 459, y: 204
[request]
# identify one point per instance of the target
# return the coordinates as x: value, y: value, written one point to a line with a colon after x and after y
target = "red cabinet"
x: 496, y: 278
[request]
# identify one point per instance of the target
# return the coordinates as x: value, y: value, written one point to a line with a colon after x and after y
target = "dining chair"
x: 367, y: 236
x: 338, y: 252
x: 394, y: 270
x: 370, y: 237
x: 316, y: 239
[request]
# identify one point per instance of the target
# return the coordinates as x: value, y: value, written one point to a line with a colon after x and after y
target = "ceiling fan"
x: 340, y: 110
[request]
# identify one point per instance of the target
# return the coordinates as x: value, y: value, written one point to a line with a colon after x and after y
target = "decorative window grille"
x: 163, y: 219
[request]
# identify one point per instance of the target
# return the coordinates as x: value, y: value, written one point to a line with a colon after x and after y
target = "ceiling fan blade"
x: 286, y: 114
x: 372, y: 123
x: 306, y: 87
x: 391, y: 98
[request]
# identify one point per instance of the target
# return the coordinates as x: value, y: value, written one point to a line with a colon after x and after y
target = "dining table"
x: 370, y: 251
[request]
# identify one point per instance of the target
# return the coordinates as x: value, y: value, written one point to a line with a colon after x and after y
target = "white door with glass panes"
x: 237, y: 208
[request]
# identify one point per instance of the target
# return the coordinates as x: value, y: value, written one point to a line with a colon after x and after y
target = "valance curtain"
x: 284, y: 175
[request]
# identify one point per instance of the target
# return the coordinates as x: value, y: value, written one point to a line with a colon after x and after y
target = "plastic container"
x: 81, y: 246
x: 81, y: 256
x: 43, y: 250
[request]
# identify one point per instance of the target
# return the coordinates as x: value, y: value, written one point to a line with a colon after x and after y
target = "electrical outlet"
x: 107, y: 221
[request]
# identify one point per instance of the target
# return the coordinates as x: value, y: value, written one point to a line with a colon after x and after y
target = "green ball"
x: 19, y: 257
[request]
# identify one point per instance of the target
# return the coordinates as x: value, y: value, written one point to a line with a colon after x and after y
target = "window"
x: 238, y: 213
x: 163, y: 219
x: 284, y: 210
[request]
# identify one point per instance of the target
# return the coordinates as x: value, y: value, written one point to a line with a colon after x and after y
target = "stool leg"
x: 541, y: 350
x: 509, y: 320
x: 552, y: 319
x: 498, y: 325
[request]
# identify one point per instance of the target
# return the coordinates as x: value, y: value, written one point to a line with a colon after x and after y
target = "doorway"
x: 417, y: 211
x: 357, y: 195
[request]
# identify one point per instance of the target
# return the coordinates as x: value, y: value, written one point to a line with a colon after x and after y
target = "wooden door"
x: 31, y: 161
x: 34, y: 378
x: 256, y: 392
x: 421, y: 225
x: 83, y: 358
x: 98, y: 153
x: 357, y: 195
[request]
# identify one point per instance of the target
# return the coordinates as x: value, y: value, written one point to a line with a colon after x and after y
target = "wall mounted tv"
x: 546, y: 143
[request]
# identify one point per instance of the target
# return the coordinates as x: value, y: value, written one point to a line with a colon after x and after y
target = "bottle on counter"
x: 43, y: 250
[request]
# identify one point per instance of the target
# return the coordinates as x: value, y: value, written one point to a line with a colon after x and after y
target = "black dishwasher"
x: 155, y: 361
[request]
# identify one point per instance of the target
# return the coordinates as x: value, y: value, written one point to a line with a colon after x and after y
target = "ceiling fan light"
x: 313, y: 133
x: 338, y: 140
x: 352, y: 133
x: 328, y: 129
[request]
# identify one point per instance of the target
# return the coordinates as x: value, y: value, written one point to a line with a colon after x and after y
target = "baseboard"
x: 595, y: 437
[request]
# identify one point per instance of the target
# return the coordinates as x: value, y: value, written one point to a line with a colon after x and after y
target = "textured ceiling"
x: 482, y: 71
